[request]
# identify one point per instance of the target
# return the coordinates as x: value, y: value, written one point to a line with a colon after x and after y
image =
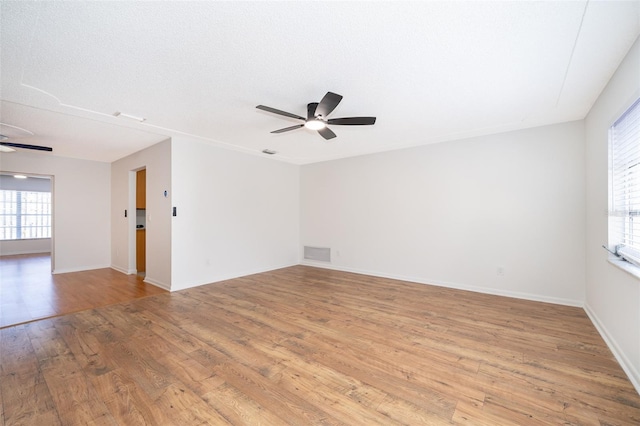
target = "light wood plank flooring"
x: 28, y: 290
x: 308, y: 346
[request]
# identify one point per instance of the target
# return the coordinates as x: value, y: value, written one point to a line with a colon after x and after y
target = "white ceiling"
x: 429, y: 71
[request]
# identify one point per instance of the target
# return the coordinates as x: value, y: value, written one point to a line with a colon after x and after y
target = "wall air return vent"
x: 320, y: 254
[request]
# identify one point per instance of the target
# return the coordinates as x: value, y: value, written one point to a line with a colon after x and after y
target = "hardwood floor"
x: 310, y: 346
x: 28, y: 290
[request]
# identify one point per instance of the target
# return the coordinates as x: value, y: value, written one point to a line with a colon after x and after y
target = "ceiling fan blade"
x: 353, y: 121
x: 26, y: 146
x: 286, y: 129
x: 328, y: 104
x: 327, y: 133
x: 277, y: 111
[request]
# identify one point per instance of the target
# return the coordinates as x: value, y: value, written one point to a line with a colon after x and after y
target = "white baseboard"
x: 627, y: 366
x: 484, y: 290
x: 79, y: 269
x: 156, y: 283
x: 19, y: 252
x: 218, y: 278
x: 123, y: 270
x: 146, y: 278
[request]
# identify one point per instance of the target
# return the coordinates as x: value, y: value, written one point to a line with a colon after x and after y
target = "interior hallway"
x: 29, y: 291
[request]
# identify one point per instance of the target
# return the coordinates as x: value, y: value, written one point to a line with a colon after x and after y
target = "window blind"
x: 25, y: 215
x: 624, y: 210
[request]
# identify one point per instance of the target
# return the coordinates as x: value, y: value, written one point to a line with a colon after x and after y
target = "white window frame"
x: 29, y: 220
x: 624, y: 188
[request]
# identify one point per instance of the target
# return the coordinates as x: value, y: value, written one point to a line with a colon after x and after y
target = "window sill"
x: 25, y: 239
x: 629, y: 268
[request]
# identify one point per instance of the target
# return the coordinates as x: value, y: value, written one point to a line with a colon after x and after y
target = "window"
x: 24, y: 215
x: 624, y: 190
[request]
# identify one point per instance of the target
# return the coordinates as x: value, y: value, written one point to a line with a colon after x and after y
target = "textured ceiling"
x: 429, y: 71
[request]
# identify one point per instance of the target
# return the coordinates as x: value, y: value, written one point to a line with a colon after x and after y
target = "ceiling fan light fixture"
x: 315, y: 124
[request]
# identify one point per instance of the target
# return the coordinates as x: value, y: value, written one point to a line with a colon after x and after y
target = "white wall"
x: 238, y: 214
x: 81, y: 207
x: 13, y: 247
x: 31, y: 183
x: 157, y: 160
x: 453, y: 213
x: 612, y: 296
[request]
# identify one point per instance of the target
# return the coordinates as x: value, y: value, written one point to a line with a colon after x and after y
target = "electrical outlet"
x: 500, y: 271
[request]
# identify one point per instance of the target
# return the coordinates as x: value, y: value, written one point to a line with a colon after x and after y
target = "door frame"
x: 53, y: 208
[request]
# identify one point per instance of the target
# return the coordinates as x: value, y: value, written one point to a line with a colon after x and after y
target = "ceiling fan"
x: 317, y: 116
x: 9, y: 146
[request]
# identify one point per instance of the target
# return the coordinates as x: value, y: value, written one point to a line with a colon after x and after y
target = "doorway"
x: 30, y: 292
x: 27, y: 215
x: 141, y: 222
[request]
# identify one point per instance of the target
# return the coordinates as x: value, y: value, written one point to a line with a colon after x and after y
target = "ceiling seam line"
x: 573, y: 49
